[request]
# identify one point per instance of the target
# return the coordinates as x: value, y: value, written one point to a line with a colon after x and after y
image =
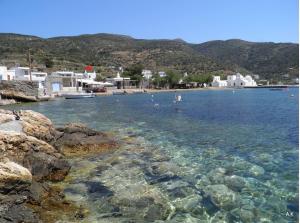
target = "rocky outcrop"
x: 78, y: 140
x: 18, y: 96
x: 24, y: 91
x: 27, y: 163
x: 7, y: 101
x: 13, y: 177
x: 37, y: 125
x: 32, y: 154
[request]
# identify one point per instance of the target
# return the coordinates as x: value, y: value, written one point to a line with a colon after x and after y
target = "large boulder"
x: 78, y: 140
x: 13, y: 177
x: 42, y: 159
x: 18, y: 96
x: 46, y: 167
x: 38, y: 125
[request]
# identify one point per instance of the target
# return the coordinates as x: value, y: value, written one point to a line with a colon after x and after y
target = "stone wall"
x: 29, y: 88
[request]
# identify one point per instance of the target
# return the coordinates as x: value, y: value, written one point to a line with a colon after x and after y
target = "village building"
x: 217, y: 82
x: 5, y: 74
x: 147, y: 74
x: 162, y: 74
x: 121, y: 82
x: 61, y: 81
x: 239, y: 80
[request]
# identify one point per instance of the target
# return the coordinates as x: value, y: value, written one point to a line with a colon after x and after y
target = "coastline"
x: 150, y: 91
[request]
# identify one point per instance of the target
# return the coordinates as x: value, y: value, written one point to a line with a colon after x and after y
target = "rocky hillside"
x: 270, y: 60
x: 107, y: 51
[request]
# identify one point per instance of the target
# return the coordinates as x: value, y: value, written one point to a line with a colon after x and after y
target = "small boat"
x: 78, y: 95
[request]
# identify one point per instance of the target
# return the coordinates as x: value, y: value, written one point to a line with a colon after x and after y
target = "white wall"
x: 3, y: 73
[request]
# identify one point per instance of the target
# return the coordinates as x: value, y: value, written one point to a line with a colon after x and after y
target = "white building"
x: 118, y: 81
x: 162, y: 74
x: 147, y: 74
x: 64, y: 81
x: 5, y: 74
x: 38, y: 76
x: 217, y: 82
x: 239, y: 80
x: 22, y: 74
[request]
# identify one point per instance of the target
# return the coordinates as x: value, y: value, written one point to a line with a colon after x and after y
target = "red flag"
x: 88, y: 68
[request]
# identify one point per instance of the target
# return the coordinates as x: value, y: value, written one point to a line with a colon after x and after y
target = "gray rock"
x: 46, y: 167
x: 243, y: 215
x: 13, y: 209
x: 234, y: 182
x: 222, y: 196
x: 188, y: 204
x: 216, y: 176
x: 256, y: 170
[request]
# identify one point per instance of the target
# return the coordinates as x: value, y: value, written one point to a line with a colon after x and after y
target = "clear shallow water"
x: 247, y: 141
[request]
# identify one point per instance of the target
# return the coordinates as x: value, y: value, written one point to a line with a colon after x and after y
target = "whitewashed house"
x: 147, y: 74
x: 40, y: 77
x: 23, y: 74
x: 162, y: 74
x: 217, y: 82
x: 5, y: 74
x: 119, y: 82
x: 239, y: 80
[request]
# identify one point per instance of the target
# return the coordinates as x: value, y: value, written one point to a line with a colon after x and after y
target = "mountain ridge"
x: 103, y: 50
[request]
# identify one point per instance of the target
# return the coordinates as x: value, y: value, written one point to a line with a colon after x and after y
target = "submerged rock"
x: 189, y: 204
x: 243, y: 215
x: 222, y: 196
x: 235, y: 183
x: 256, y: 170
x: 217, y: 175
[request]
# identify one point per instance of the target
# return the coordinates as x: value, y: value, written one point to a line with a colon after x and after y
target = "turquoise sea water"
x: 218, y: 156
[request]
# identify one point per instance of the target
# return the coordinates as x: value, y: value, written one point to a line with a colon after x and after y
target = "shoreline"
x: 145, y: 91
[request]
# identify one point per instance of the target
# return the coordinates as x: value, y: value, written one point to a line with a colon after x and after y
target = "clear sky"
x: 192, y: 20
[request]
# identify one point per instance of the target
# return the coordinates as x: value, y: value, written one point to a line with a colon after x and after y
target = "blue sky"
x: 192, y: 20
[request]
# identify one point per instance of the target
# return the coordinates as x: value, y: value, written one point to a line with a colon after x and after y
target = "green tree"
x: 159, y: 81
x: 199, y: 78
x: 173, y: 77
x: 99, y: 77
x: 134, y: 72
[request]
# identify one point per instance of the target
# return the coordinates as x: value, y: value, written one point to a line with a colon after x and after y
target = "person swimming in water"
x: 178, y: 98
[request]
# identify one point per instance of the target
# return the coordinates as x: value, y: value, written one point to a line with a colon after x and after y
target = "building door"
x: 55, y: 87
x: 119, y: 84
